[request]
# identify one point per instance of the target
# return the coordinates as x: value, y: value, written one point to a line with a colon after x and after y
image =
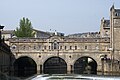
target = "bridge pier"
x: 38, y: 69
x: 69, y: 69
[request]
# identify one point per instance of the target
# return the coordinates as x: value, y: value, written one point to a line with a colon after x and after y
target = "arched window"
x: 55, y: 45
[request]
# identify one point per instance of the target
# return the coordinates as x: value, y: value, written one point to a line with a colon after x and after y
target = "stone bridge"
x: 59, y: 54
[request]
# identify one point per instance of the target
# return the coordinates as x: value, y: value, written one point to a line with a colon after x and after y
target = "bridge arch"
x: 85, y: 65
x: 24, y: 66
x: 55, y: 65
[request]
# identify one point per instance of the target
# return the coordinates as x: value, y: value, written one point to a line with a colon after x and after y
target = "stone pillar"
x: 38, y: 69
x: 69, y: 69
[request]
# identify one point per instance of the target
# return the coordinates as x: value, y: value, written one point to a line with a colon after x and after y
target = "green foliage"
x: 25, y: 30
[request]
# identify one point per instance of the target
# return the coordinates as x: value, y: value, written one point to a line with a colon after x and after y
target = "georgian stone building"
x: 6, y: 57
x: 105, y: 28
x: 114, y: 36
x: 88, y: 53
x: 6, y: 34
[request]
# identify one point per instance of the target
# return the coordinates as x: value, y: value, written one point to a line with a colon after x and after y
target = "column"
x: 69, y: 69
x: 38, y: 69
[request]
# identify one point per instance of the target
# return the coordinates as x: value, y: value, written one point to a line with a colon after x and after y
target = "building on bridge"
x: 87, y: 53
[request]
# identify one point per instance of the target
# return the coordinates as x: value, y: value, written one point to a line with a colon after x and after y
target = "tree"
x: 25, y: 30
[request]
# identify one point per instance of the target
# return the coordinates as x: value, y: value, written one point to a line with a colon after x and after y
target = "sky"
x: 66, y: 16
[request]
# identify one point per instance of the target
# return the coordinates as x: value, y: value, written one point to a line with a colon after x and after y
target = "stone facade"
x: 115, y: 37
x: 70, y: 49
x: 105, y: 28
x: 102, y: 47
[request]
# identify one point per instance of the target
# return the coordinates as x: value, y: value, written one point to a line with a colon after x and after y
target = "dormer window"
x: 116, y: 14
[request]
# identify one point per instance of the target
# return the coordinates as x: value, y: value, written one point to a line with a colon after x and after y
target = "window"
x: 55, y: 45
x: 49, y: 47
x: 85, y: 47
x: 65, y: 47
x: 44, y: 47
x: 116, y: 14
x: 34, y: 47
x: 23, y: 47
x: 75, y: 47
x: 70, y: 47
x: 39, y: 46
x: 60, y: 47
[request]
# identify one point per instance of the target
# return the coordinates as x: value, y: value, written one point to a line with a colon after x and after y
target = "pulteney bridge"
x: 59, y: 54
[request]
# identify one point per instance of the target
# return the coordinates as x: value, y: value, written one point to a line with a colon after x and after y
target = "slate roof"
x: 7, y: 31
x: 85, y: 35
